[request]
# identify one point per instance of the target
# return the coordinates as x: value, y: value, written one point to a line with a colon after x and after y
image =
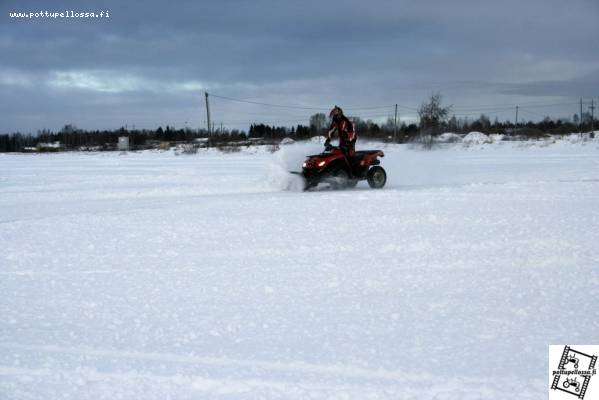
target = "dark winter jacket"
x: 345, y: 130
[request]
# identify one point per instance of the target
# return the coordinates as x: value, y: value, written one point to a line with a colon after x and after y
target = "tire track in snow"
x: 294, y: 366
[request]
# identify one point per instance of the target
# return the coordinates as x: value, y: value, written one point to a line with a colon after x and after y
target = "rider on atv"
x: 345, y: 129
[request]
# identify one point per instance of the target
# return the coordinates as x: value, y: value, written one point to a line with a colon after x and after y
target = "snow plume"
x: 290, y: 158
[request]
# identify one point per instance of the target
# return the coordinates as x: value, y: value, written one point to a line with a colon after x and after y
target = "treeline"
x: 528, y: 129
x: 72, y: 138
x: 409, y: 132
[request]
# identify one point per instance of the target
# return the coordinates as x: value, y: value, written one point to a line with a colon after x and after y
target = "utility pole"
x: 395, y: 126
x: 581, y: 117
x: 208, y: 112
x: 592, y: 108
x: 516, y: 125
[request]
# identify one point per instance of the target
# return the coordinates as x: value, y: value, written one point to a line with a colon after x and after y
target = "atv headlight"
x: 320, y: 164
x: 304, y: 165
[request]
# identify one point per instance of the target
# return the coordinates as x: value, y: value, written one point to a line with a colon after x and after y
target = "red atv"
x: 340, y: 172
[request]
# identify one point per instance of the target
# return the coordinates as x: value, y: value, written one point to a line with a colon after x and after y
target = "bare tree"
x: 432, y: 117
x: 318, y: 123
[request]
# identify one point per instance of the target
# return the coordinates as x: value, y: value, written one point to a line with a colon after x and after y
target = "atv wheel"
x: 377, y: 177
x: 339, y: 180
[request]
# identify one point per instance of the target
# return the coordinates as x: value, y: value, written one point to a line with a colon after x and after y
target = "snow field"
x: 150, y: 275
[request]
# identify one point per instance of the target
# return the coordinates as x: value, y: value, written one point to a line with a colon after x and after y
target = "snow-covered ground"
x: 155, y: 276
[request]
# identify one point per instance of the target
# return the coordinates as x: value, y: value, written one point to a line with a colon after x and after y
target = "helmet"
x: 336, y: 112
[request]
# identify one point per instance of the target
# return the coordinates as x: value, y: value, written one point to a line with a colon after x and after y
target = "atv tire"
x: 339, y: 180
x: 377, y: 177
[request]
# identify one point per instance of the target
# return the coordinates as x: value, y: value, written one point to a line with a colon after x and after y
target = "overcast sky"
x: 150, y: 61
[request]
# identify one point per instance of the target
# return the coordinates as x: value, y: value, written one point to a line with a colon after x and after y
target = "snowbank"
x: 449, y: 137
x: 584, y: 138
x: 476, y: 138
x: 496, y: 138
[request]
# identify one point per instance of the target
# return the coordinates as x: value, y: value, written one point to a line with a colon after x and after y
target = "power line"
x: 487, y: 107
x: 304, y: 119
x: 483, y: 109
x: 284, y: 115
x: 298, y: 107
x: 549, y: 105
x: 499, y: 112
x: 266, y: 104
x: 532, y: 113
x: 511, y: 106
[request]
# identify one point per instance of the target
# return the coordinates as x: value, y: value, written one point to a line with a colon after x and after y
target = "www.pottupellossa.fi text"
x: 61, y: 14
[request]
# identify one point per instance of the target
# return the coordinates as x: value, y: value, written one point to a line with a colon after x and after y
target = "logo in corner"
x: 571, y: 369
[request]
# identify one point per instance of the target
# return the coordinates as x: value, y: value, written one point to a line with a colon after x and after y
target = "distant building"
x: 123, y: 144
x: 51, y: 146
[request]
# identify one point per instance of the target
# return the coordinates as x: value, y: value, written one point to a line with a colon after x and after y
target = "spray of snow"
x: 290, y: 158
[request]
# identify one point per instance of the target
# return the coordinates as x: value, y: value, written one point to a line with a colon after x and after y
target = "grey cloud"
x: 308, y: 52
x: 584, y: 86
